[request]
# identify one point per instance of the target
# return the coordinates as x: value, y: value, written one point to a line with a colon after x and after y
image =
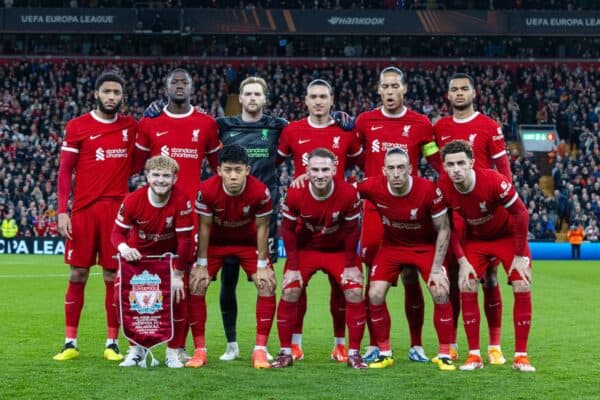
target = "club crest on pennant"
x: 145, y: 296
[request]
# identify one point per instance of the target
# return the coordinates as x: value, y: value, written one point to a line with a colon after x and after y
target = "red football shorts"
x: 332, y: 264
x: 92, y: 228
x: 371, y: 233
x: 246, y: 256
x: 389, y: 262
x: 481, y: 252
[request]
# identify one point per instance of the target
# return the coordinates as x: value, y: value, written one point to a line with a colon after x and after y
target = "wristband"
x: 202, y: 262
x: 262, y: 264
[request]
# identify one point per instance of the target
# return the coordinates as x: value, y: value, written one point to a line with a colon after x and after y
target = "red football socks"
x: 492, y: 305
x: 471, y: 318
x: 74, y: 299
x: 265, y: 311
x: 522, y: 311
x: 414, y: 307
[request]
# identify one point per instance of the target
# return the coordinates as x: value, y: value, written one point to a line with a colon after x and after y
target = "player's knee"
x: 376, y: 296
x: 266, y: 292
x: 439, y: 295
x: 410, y: 276
x: 520, y: 286
x: 79, y: 275
x: 491, y: 278
x: 353, y: 295
x: 469, y: 289
x: 109, y: 275
x: 291, y: 295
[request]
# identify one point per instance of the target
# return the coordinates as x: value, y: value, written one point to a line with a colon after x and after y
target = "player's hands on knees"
x: 129, y: 253
x: 64, y: 225
x: 265, y: 279
x: 299, y: 182
x: 352, y: 274
x: 154, y: 109
x: 291, y: 276
x: 520, y: 264
x: 466, y: 273
x: 438, y: 280
x: 343, y: 120
x: 199, y: 278
x: 177, y: 288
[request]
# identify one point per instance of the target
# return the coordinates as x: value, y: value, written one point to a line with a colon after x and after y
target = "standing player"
x: 259, y: 135
x: 298, y: 139
x: 154, y: 220
x: 180, y: 132
x: 412, y: 211
x: 394, y: 125
x: 234, y: 213
x: 188, y: 136
x: 320, y: 232
x: 97, y: 146
x: 489, y: 150
x: 496, y: 225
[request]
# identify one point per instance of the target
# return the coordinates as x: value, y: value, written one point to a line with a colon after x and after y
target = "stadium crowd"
x: 195, y: 45
x: 37, y: 99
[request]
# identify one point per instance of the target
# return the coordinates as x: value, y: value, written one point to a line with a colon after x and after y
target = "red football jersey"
x: 319, y: 219
x: 186, y: 138
x: 104, y: 150
x: 152, y: 227
x: 407, y: 219
x: 484, y: 134
x: 234, y: 217
x: 378, y: 132
x: 484, y: 207
x: 301, y: 137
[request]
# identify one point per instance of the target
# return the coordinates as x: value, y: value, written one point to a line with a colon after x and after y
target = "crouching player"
x: 320, y: 232
x: 153, y: 220
x: 496, y: 225
x: 412, y: 211
x: 234, y: 210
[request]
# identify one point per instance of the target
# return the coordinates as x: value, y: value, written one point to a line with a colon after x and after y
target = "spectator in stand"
x: 592, y: 233
x: 9, y: 227
x: 575, y: 237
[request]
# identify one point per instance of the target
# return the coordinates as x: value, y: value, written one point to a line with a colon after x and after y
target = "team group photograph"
x: 216, y: 200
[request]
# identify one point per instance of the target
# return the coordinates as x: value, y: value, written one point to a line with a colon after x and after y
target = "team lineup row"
x: 104, y: 140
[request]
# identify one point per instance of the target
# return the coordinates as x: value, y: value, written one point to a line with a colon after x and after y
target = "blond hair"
x: 162, y: 162
x: 254, y: 79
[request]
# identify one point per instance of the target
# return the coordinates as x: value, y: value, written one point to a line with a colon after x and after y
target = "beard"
x: 109, y: 111
x: 462, y: 107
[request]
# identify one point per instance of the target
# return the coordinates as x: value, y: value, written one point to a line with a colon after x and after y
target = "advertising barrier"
x: 55, y: 246
x: 300, y: 22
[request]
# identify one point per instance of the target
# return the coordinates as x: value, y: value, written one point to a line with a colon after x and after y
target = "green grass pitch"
x: 563, y: 340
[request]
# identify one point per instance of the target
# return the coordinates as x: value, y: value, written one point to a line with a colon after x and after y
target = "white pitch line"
x: 28, y: 276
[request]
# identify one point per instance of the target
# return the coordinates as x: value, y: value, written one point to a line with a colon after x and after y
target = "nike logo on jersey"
x: 445, y: 137
x: 94, y: 137
x: 141, y: 222
x: 219, y: 209
x: 303, y: 141
x: 158, y: 134
x: 234, y: 134
x: 374, y: 128
x: 382, y: 205
x: 305, y: 216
